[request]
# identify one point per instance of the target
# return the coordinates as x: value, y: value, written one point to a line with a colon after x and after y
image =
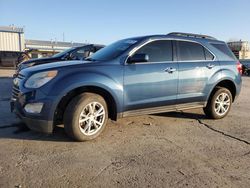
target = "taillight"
x: 239, y: 67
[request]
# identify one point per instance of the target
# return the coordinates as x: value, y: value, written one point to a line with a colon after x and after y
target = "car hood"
x: 51, y: 66
x: 43, y: 59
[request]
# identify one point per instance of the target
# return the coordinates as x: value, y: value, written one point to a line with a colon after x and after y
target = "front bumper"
x: 32, y: 121
x: 41, y: 121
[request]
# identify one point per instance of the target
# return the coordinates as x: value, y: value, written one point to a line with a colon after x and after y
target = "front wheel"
x: 85, y: 117
x: 219, y: 104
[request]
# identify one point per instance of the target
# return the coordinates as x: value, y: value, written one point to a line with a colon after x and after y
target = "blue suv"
x: 134, y: 76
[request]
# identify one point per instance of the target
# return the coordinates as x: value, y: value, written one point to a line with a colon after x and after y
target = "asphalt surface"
x: 179, y: 149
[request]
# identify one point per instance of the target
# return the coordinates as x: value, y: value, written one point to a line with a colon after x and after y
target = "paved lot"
x: 181, y: 149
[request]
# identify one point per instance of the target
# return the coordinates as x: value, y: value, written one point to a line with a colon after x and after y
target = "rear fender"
x: 224, y: 75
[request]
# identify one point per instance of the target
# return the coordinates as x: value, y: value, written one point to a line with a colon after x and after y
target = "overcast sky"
x: 105, y: 21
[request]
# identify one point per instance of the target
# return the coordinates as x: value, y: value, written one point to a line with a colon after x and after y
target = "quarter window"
x: 208, y: 55
x: 158, y: 51
x: 224, y: 49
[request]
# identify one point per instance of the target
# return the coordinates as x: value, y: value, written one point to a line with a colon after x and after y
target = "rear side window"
x: 224, y: 49
x: 157, y: 51
x: 189, y: 51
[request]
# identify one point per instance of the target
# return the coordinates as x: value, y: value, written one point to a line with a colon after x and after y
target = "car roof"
x: 180, y: 36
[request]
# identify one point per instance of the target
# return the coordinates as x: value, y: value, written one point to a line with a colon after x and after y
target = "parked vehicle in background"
x: 140, y: 75
x: 75, y: 53
x: 245, y: 66
x: 24, y: 56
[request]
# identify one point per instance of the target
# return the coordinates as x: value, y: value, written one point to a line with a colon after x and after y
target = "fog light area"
x: 34, y: 108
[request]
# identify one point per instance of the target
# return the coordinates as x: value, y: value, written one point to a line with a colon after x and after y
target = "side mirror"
x: 136, y: 58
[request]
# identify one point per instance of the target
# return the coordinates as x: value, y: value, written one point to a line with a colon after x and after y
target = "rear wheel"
x: 85, y: 117
x: 219, y: 104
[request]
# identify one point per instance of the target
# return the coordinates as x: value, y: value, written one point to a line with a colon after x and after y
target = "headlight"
x: 39, y: 79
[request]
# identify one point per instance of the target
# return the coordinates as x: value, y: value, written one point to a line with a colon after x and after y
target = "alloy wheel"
x: 222, y: 104
x: 92, y: 118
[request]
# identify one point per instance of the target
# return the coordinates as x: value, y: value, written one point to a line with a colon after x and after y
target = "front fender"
x: 64, y: 84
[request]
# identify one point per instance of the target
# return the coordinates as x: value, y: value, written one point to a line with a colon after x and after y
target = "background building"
x: 40, y: 48
x: 240, y: 49
x: 13, y: 44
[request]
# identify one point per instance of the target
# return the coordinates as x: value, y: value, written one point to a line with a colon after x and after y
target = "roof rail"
x: 190, y: 35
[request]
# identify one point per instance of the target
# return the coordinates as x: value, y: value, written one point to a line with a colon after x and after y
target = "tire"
x: 217, y: 107
x: 85, y: 117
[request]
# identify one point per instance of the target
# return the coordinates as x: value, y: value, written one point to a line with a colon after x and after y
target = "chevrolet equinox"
x: 134, y: 76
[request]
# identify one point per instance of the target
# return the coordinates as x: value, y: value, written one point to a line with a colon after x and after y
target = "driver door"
x: 151, y: 86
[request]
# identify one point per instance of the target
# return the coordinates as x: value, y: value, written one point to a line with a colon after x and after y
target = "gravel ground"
x: 180, y: 149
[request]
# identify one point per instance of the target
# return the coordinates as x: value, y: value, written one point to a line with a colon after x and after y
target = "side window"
x: 188, y: 51
x: 80, y: 54
x: 158, y: 51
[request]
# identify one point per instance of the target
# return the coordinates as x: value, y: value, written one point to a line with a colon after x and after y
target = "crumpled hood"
x: 38, y: 60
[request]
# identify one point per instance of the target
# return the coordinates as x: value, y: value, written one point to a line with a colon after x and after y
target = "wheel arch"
x: 65, y: 100
x: 228, y: 84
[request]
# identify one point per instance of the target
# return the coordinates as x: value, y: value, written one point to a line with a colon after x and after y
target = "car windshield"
x: 63, y: 52
x: 113, y: 50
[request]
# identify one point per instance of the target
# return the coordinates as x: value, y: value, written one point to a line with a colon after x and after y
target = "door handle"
x: 170, y: 70
x: 210, y: 66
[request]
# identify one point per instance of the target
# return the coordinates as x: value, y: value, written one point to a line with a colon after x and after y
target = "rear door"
x: 196, y: 66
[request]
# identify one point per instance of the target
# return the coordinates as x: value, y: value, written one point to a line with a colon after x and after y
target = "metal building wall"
x: 11, y: 41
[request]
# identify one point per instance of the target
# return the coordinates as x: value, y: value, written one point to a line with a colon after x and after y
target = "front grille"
x: 20, y: 76
x: 15, y: 92
x: 15, y: 88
